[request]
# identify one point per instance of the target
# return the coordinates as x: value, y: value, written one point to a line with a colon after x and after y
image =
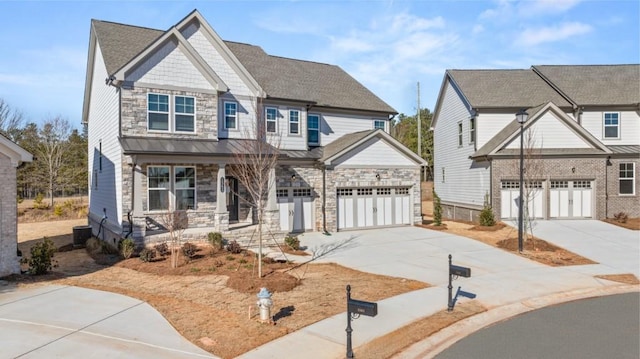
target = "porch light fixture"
x: 378, y: 176
x: 521, y: 117
x: 293, y: 177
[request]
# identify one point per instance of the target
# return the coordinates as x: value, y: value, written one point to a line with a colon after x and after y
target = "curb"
x: 438, y: 342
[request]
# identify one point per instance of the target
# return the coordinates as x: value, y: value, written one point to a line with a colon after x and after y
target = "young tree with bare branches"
x: 52, y: 150
x: 254, y: 166
x: 175, y: 222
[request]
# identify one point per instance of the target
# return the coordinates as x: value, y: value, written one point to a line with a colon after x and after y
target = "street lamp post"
x: 521, y: 117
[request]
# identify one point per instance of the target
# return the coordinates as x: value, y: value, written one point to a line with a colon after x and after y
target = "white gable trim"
x: 223, y: 50
x: 561, y: 116
x: 174, y: 35
x: 384, y: 137
x: 88, y: 79
x: 16, y: 153
x: 448, y: 80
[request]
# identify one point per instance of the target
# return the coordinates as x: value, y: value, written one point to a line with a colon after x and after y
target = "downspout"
x: 607, y: 163
x: 133, y: 195
x: 324, y: 201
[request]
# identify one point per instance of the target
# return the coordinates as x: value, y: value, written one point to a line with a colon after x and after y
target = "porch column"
x: 272, y: 203
x: 222, y: 214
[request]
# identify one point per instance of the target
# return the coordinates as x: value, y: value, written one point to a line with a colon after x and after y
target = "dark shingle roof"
x: 282, y: 78
x: 505, y: 88
x: 120, y: 43
x: 596, y: 84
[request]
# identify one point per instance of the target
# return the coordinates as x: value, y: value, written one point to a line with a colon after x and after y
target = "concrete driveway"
x: 56, y: 321
x: 616, y: 249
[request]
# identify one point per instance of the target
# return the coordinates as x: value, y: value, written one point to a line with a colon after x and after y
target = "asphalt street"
x: 604, y: 327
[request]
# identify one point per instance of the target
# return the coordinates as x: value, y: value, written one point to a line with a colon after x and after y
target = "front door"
x: 232, y: 198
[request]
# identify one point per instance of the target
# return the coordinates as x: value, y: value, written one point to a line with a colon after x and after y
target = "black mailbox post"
x: 355, y: 308
x: 456, y: 271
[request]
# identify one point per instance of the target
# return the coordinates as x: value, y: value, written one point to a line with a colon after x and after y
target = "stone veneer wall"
x: 9, y: 262
x: 306, y: 176
x: 134, y: 114
x: 366, y: 177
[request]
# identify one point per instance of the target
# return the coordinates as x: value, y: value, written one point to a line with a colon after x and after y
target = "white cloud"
x: 477, y: 29
x: 538, y: 7
x: 536, y: 36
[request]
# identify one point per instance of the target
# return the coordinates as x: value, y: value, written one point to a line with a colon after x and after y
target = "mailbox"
x: 460, y: 271
x: 361, y: 307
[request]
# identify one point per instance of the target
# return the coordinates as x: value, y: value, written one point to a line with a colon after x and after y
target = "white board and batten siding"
x: 464, y: 181
x: 550, y: 132
x: 629, y: 128
x: 103, y: 126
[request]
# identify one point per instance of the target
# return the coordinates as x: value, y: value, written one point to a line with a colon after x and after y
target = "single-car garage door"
x: 570, y: 199
x: 510, y: 193
x: 373, y: 207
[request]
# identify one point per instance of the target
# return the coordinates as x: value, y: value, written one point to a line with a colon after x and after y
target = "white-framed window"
x: 379, y: 124
x: 313, y: 129
x: 611, y: 125
x: 185, y: 113
x: 158, y: 112
x: 230, y: 115
x: 185, y: 187
x: 159, y: 185
x: 294, y: 122
x: 271, y: 118
x: 472, y: 130
x: 442, y: 174
x: 627, y: 180
x: 459, y: 134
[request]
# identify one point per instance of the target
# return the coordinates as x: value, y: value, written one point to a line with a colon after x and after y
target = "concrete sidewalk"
x: 499, y: 279
x: 55, y: 321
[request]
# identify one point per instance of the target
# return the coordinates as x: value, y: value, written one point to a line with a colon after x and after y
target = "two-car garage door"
x: 373, y: 207
x: 566, y: 199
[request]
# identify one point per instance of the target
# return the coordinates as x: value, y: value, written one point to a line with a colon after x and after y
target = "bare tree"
x: 533, y: 175
x: 52, y: 149
x: 253, y: 164
x: 11, y: 121
x: 175, y: 222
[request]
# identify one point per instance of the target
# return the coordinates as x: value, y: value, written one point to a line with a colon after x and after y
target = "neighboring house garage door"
x: 296, y: 209
x: 509, y: 194
x: 373, y: 207
x: 570, y: 199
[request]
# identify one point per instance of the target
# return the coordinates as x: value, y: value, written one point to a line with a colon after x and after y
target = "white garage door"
x: 296, y: 209
x: 570, y: 199
x: 373, y: 207
x: 510, y: 194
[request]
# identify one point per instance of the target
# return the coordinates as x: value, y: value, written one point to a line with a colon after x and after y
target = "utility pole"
x: 419, y: 125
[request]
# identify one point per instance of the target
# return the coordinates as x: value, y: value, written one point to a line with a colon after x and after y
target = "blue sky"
x: 387, y: 45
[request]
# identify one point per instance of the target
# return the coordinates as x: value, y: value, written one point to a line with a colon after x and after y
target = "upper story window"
x: 271, y: 118
x: 231, y: 115
x: 294, y: 122
x: 158, y: 187
x: 472, y: 130
x: 379, y: 124
x: 627, y: 178
x: 459, y: 133
x: 611, y: 124
x: 313, y: 129
x: 185, y: 187
x: 185, y: 113
x: 158, y: 112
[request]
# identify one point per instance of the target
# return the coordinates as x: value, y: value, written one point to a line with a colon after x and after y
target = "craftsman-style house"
x: 168, y: 112
x: 581, y: 141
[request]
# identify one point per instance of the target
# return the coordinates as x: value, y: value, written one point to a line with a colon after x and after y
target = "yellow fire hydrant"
x: 264, y: 305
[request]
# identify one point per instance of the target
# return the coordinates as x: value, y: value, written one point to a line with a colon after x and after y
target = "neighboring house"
x: 167, y: 111
x: 11, y: 156
x: 583, y: 134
